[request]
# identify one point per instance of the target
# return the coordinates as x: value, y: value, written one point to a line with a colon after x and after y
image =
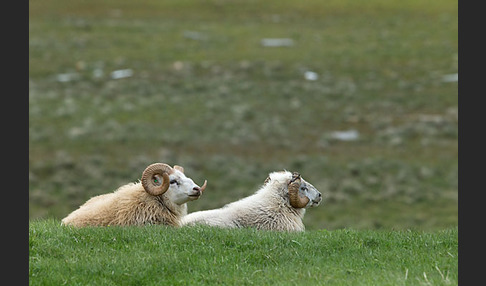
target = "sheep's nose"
x: 320, y: 195
x: 198, y: 189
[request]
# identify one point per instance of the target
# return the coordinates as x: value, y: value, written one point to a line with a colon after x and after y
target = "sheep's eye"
x: 303, y: 188
x: 174, y: 182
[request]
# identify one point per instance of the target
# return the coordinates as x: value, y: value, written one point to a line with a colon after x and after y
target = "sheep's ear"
x: 179, y: 168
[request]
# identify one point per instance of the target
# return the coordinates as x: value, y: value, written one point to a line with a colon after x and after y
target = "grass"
x: 205, y: 94
x: 158, y: 255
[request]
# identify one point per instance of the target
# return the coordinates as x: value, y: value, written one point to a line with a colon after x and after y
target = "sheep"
x: 159, y: 198
x: 279, y: 205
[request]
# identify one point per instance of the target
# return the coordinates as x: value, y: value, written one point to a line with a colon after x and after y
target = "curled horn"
x: 295, y: 200
x: 155, y: 178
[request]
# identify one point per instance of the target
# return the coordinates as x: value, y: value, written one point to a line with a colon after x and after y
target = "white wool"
x: 268, y: 208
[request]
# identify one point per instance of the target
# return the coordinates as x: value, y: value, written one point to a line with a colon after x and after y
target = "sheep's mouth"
x: 194, y: 196
x: 315, y: 203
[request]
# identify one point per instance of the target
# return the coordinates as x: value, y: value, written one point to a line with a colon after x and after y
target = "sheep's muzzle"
x: 198, y: 191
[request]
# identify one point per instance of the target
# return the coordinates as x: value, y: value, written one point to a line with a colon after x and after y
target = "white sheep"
x: 159, y: 198
x: 279, y: 205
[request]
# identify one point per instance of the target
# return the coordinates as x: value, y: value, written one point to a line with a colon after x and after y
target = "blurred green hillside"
x: 360, y: 97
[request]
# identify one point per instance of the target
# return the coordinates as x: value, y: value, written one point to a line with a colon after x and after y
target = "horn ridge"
x: 151, y: 178
x: 295, y: 199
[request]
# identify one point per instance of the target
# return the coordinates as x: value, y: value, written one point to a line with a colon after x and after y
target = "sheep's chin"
x: 314, y: 204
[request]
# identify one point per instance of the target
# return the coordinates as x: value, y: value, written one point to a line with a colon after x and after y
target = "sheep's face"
x: 305, y: 189
x: 308, y: 190
x: 182, y: 189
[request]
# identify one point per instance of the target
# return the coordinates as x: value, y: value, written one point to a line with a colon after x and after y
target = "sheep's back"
x: 97, y: 211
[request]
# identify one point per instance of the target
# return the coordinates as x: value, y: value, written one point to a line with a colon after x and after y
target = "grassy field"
x: 201, y: 90
x: 157, y: 255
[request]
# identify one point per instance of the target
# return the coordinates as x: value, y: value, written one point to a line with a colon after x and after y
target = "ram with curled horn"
x: 280, y: 205
x: 159, y: 198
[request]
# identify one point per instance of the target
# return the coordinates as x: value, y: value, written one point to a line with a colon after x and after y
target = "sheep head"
x: 158, y: 178
x: 297, y: 184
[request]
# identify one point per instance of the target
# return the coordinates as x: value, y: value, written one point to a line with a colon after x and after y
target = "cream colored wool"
x: 139, y: 204
x: 128, y: 205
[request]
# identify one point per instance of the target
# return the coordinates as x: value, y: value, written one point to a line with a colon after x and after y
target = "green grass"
x: 230, y: 110
x: 158, y: 255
